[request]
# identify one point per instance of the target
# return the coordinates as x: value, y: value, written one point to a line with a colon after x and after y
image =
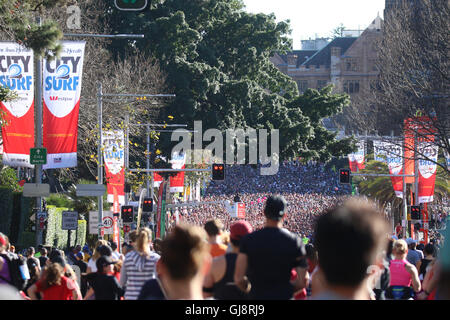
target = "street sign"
x: 38, y: 156
x: 126, y: 228
x: 36, y: 190
x: 69, y: 220
x: 90, y: 190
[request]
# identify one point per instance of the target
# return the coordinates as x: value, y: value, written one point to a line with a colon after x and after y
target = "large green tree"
x: 216, y: 56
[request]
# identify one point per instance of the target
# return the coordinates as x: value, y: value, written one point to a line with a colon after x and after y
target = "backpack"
x: 18, y: 271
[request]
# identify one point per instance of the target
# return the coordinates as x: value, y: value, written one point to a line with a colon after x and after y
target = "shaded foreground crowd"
x: 352, y: 256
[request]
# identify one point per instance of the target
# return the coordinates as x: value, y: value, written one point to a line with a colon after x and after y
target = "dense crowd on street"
x: 292, y: 245
x: 308, y: 189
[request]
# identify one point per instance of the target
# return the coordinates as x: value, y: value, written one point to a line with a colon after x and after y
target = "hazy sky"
x: 309, y: 18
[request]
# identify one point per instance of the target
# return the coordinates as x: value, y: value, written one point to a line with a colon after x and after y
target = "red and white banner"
x: 428, y: 154
x: 113, y: 155
x: 394, y: 158
x: 379, y: 151
x: 16, y: 73
x: 356, y: 160
x: 177, y: 182
x: 62, y: 91
x: 410, y: 125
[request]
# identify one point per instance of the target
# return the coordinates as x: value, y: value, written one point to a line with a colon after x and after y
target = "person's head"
x: 238, y: 230
x: 390, y: 246
x: 157, y: 245
x: 133, y: 235
x: 113, y: 246
x: 30, y: 251
x: 78, y: 248
x: 275, y: 208
x: 429, y: 250
x: 96, y: 254
x: 311, y: 253
x: 361, y: 227
x: 3, y: 242
x: 53, y: 275
x: 43, y: 252
x: 400, y: 249
x: 411, y: 243
x: 213, y: 227
x: 79, y: 256
x: 12, y: 249
x: 58, y: 260
x: 105, y: 250
x: 185, y: 254
x: 104, y: 264
x: 143, y: 241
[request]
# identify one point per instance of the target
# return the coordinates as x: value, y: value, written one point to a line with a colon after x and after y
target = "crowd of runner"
x: 208, y: 255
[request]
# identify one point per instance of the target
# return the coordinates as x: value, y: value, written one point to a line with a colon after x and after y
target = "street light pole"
x: 100, y: 158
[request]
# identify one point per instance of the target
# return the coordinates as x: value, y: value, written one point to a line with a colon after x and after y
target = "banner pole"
x: 39, y: 137
x: 148, y: 160
x: 100, y: 159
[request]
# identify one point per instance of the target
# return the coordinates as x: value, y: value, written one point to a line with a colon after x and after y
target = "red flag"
x: 62, y: 91
x: 113, y: 143
x: 16, y: 73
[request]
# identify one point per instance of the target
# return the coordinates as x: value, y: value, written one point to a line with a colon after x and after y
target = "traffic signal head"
x: 218, y: 171
x: 127, y: 213
x: 344, y: 176
x: 131, y: 5
x: 147, y: 205
x: 415, y: 213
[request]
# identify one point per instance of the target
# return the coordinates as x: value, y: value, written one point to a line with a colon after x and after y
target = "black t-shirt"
x: 272, y: 254
x: 105, y: 287
x: 151, y: 290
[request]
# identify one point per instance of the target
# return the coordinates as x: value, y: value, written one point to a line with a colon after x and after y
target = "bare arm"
x: 302, y: 279
x: 32, y: 292
x: 89, y: 294
x: 414, y: 277
x: 240, y: 279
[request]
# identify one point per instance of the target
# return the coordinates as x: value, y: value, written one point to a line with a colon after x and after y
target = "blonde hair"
x: 97, y: 254
x: 400, y: 247
x: 143, y: 241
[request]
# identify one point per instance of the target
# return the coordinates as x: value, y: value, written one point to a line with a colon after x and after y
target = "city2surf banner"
x: 62, y: 91
x: 17, y: 73
x: 427, y: 157
x: 113, y: 152
x: 356, y: 160
x: 177, y: 182
x: 394, y: 159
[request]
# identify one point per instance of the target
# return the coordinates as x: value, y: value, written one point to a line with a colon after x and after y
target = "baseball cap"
x: 102, y: 262
x: 410, y: 241
x: 80, y: 255
x: 240, y: 229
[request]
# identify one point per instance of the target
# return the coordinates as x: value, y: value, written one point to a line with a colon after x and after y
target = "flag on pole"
x: 17, y: 73
x: 113, y: 154
x: 62, y: 92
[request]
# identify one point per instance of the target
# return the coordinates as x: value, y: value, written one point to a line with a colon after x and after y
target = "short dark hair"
x: 275, y: 207
x: 361, y: 227
x: 113, y: 245
x: 429, y: 249
x: 213, y: 227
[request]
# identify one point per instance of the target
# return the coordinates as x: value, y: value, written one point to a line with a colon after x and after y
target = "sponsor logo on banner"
x: 113, y: 143
x: 427, y: 169
x: 62, y: 91
x: 394, y: 159
x: 16, y: 73
x: 379, y: 151
x: 359, y: 155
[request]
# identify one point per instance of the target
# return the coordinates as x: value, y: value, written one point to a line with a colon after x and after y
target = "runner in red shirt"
x: 53, y: 285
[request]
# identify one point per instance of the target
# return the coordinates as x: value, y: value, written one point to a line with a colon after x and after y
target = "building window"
x: 351, y: 86
x: 351, y: 64
x: 321, y: 84
x: 302, y: 85
x: 373, y: 64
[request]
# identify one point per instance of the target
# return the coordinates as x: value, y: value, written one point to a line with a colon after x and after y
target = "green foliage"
x: 217, y: 56
x: 55, y: 236
x: 17, y: 21
x: 59, y: 200
x: 8, y: 178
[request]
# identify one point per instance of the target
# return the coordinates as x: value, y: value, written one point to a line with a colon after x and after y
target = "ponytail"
x: 143, y: 241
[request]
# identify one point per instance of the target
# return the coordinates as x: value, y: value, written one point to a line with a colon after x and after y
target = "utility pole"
x: 38, y: 167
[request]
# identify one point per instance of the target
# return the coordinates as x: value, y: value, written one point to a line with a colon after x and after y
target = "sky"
x: 309, y: 18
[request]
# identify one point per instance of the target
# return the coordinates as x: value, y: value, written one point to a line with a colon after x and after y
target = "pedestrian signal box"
x: 344, y: 176
x: 147, y: 206
x: 127, y: 213
x: 415, y: 213
x: 218, y: 172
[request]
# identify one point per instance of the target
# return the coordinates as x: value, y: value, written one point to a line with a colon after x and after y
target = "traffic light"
x: 147, y: 206
x: 127, y: 213
x: 130, y: 5
x: 218, y: 172
x: 415, y: 213
x: 344, y: 176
